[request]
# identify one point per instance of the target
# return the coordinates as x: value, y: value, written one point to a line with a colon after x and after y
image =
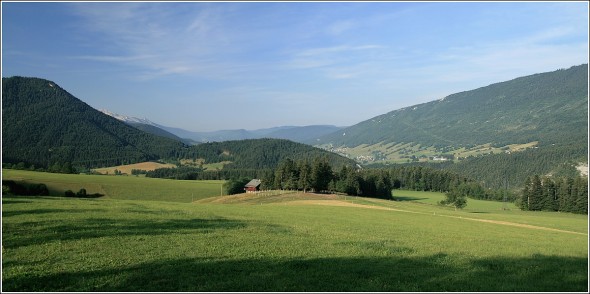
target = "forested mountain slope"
x: 551, y: 108
x: 42, y: 124
x: 158, y: 132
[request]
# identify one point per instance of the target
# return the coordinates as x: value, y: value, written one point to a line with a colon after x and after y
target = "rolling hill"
x: 260, y: 153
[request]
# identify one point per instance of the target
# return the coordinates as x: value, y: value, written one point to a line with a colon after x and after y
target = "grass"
x: 401, y: 152
x: 120, y: 187
x: 52, y: 244
x: 277, y: 242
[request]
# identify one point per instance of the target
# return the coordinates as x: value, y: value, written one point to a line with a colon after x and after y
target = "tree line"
x: 319, y: 176
x: 565, y: 194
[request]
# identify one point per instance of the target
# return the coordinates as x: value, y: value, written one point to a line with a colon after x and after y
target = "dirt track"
x: 344, y: 203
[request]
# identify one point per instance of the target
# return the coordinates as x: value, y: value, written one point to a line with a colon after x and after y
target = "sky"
x: 205, y: 66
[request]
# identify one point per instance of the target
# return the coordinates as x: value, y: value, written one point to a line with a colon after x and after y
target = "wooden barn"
x: 252, y: 186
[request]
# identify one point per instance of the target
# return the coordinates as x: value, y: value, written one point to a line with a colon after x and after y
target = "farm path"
x: 349, y: 204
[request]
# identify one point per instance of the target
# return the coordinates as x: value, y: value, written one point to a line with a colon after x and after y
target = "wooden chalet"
x: 252, y: 186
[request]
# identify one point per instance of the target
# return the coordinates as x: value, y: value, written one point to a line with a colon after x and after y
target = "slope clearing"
x: 127, y: 168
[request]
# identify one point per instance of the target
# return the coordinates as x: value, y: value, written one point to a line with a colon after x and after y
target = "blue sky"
x: 212, y: 66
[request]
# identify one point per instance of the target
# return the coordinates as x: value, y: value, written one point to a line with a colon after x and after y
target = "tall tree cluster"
x: 421, y: 178
x: 319, y: 176
x: 565, y: 194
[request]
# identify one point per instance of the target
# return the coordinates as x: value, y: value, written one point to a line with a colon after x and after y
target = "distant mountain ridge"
x: 146, y: 125
x: 300, y: 134
x: 128, y: 119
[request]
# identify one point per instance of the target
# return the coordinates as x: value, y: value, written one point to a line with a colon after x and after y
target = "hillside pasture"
x: 120, y: 187
x: 403, y: 152
x: 126, y: 169
x: 419, y: 202
x: 293, y: 244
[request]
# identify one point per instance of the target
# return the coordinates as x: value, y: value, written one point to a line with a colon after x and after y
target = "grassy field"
x: 401, y: 152
x: 288, y: 242
x: 120, y: 187
x: 126, y: 169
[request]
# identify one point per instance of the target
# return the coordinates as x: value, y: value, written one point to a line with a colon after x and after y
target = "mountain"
x: 128, y: 119
x: 157, y: 131
x: 551, y: 108
x: 301, y: 134
x: 44, y: 125
x: 147, y: 126
x: 500, y: 134
x: 304, y: 134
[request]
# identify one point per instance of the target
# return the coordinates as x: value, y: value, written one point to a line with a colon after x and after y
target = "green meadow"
x: 284, y: 242
x: 120, y: 187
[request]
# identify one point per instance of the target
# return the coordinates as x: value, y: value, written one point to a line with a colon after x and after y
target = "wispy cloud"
x: 157, y: 40
x: 337, y: 62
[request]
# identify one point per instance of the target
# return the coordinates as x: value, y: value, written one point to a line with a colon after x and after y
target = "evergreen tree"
x: 524, y: 200
x: 321, y: 174
x: 565, y: 197
x: 305, y: 176
x: 536, y: 194
x: 582, y: 195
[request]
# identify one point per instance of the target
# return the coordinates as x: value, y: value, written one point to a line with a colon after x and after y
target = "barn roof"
x: 253, y: 183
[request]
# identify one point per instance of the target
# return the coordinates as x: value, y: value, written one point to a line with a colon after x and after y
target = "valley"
x: 188, y: 147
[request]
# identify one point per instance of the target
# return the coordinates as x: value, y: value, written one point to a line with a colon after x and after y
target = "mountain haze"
x: 301, y: 134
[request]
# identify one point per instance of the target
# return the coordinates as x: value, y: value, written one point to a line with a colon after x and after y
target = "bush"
x: 235, y: 186
x: 81, y: 193
x: 14, y: 188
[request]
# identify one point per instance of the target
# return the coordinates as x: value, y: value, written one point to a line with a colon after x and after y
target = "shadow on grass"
x: 437, y: 273
x: 107, y: 227
x: 407, y: 198
x: 14, y: 200
x: 42, y: 211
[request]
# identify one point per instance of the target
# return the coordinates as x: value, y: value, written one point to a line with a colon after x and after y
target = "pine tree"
x: 525, y: 198
x: 321, y: 174
x: 536, y: 194
x: 305, y: 176
x: 564, y: 195
x: 581, y: 203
